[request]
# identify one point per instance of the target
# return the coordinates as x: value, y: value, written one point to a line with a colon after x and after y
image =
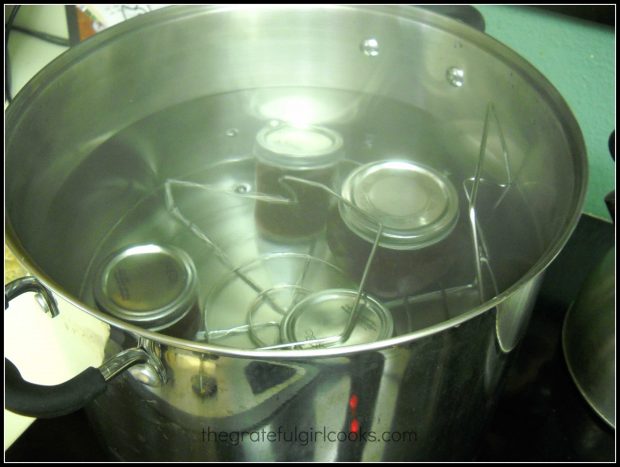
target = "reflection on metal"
x: 513, y: 315
x: 455, y: 76
x: 203, y: 384
x: 155, y: 371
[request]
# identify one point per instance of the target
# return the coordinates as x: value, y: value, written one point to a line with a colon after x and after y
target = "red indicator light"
x: 353, y: 401
x: 355, y: 426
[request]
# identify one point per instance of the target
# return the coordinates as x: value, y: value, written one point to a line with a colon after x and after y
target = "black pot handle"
x: 610, y: 199
x: 34, y: 400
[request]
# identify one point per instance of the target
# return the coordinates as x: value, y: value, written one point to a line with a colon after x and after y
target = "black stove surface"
x: 540, y: 415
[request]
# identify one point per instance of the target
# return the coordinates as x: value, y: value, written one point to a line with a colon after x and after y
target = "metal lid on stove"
x: 149, y: 285
x: 416, y: 205
x: 326, y: 314
x: 298, y: 146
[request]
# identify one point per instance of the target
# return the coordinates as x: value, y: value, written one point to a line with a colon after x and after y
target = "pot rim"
x: 480, y: 40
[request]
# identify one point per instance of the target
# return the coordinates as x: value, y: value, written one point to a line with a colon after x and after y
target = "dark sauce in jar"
x: 304, y: 218
x: 310, y: 153
x: 424, y: 239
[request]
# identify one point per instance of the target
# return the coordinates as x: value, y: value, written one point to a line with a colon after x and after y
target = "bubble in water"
x: 456, y: 76
x: 232, y: 132
x: 242, y: 188
x: 370, y: 47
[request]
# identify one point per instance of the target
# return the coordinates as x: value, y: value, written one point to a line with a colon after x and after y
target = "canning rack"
x: 482, y: 260
x: 484, y: 282
x: 481, y: 251
x: 263, y: 294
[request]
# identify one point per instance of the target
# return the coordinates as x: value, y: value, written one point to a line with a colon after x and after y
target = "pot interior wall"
x: 181, y: 95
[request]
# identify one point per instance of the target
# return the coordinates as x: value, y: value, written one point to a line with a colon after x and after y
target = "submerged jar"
x: 310, y: 153
x: 326, y: 314
x: 152, y: 286
x: 423, y: 240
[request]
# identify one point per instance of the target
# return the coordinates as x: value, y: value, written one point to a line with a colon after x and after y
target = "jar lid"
x: 326, y: 314
x: 298, y: 147
x: 149, y: 285
x: 416, y: 205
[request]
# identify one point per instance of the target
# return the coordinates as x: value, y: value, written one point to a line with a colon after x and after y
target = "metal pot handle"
x: 34, y: 400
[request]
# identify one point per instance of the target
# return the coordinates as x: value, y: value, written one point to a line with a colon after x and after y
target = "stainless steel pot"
x: 588, y: 344
x: 95, y: 142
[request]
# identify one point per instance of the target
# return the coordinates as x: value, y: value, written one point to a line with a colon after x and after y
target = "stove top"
x: 541, y: 416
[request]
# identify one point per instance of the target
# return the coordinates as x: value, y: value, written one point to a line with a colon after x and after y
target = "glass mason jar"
x: 424, y: 241
x: 151, y: 286
x: 325, y: 314
x: 307, y: 152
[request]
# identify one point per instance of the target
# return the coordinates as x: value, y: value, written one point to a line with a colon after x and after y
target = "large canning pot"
x: 229, y: 189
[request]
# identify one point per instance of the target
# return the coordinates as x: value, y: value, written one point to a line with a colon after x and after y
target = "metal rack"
x: 298, y: 289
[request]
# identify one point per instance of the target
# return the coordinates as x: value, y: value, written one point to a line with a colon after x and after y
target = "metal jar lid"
x: 416, y: 205
x: 150, y: 285
x: 325, y: 314
x: 298, y: 147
